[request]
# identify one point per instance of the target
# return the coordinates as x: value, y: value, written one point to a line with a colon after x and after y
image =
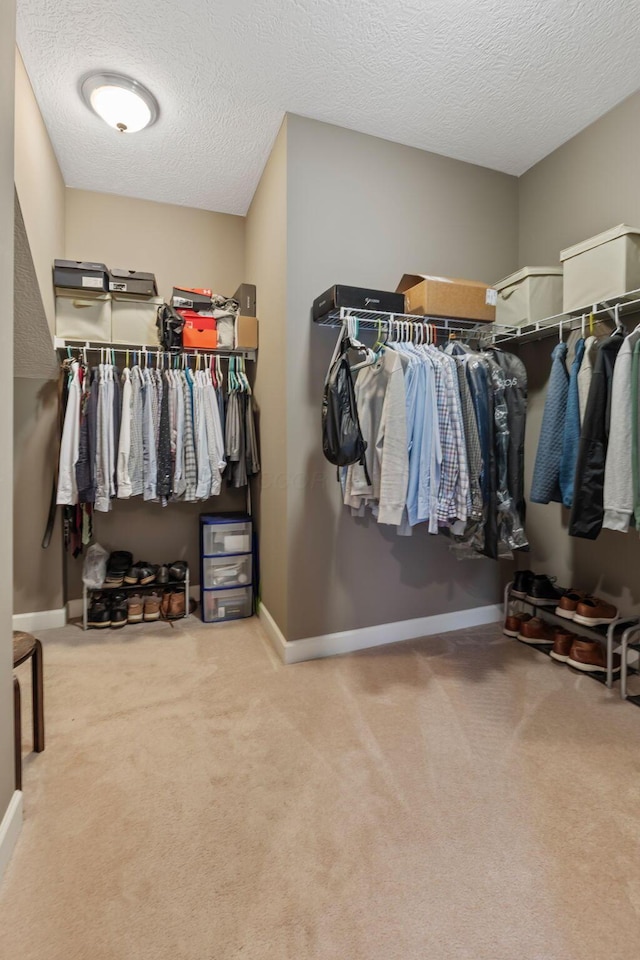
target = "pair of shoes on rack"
x: 581, y: 653
x: 117, y: 566
x: 585, y: 609
x: 173, y: 605
x: 141, y: 573
x: 588, y: 656
x: 538, y: 589
x: 145, y: 608
x: 107, y: 610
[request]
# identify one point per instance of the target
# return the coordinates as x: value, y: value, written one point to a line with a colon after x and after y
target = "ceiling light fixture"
x: 121, y: 102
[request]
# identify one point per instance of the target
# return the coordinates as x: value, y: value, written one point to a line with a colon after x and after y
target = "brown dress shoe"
x: 535, y: 631
x: 512, y: 624
x: 176, y: 605
x: 135, y: 608
x: 152, y: 607
x: 590, y: 657
x: 164, y: 606
x: 591, y: 612
x: 562, y: 642
x: 568, y: 604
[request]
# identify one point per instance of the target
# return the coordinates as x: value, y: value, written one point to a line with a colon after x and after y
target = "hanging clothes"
x: 545, y: 486
x: 440, y: 450
x: 381, y: 400
x: 618, y: 476
x: 588, y: 503
x: 148, y: 432
x: 67, y: 492
x: 591, y: 345
x: 571, y: 433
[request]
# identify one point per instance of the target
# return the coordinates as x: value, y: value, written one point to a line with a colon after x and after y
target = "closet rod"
x: 375, y: 319
x: 62, y: 344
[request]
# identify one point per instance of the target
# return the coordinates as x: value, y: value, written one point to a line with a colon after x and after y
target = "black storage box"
x: 360, y: 298
x: 80, y: 275
x: 246, y: 297
x: 134, y: 283
x: 198, y: 300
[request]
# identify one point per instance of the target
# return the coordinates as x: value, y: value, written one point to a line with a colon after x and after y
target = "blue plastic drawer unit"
x: 227, y: 567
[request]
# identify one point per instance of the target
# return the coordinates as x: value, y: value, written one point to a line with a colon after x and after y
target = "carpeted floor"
x: 456, y: 798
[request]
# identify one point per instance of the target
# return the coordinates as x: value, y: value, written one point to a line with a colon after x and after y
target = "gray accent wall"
x: 266, y: 267
x: 586, y: 186
x: 7, y: 43
x: 364, y: 211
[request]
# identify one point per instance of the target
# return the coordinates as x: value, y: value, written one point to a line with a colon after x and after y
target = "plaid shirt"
x: 190, y: 464
x: 453, y: 492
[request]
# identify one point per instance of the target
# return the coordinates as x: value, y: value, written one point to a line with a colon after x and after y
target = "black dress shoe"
x: 132, y: 575
x: 119, y: 610
x: 178, y: 570
x: 119, y: 563
x: 147, y: 572
x: 543, y: 592
x: 99, y: 614
x: 162, y: 576
x: 522, y: 581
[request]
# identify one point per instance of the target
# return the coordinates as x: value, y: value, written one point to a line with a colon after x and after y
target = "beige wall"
x: 364, y: 211
x: 39, y: 239
x: 585, y: 186
x: 40, y: 187
x: 7, y: 41
x: 181, y: 246
x: 266, y: 266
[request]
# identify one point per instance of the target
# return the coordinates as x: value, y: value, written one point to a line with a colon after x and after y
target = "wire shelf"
x: 62, y: 343
x: 490, y: 334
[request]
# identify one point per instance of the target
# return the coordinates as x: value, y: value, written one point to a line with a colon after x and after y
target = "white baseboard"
x: 40, y: 620
x: 10, y: 830
x: 333, y: 644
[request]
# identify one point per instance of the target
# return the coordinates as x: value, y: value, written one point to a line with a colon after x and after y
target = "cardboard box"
x: 187, y: 298
x: 80, y: 275
x: 246, y: 333
x: 134, y: 320
x: 83, y: 318
x: 246, y: 297
x: 601, y: 268
x: 360, y: 298
x: 133, y: 283
x: 448, y: 297
x: 529, y: 295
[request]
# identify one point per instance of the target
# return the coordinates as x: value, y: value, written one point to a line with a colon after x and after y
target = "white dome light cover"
x: 121, y: 102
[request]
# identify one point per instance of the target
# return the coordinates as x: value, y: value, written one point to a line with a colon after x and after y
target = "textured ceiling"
x: 497, y: 82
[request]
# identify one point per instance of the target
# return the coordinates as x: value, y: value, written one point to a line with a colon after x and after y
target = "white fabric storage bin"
x: 529, y: 295
x: 602, y: 267
x: 83, y: 318
x: 133, y: 320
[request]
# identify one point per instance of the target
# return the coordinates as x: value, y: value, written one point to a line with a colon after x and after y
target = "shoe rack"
x: 622, y: 635
x: 87, y: 593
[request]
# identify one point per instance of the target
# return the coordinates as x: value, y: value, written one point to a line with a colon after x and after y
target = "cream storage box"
x: 81, y: 316
x: 602, y: 267
x: 529, y: 295
x: 133, y: 320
